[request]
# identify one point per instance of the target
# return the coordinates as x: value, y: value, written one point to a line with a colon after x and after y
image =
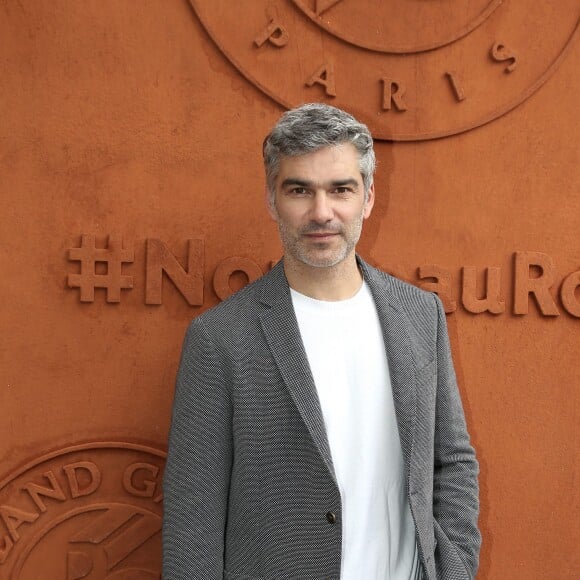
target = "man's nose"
x: 321, y: 208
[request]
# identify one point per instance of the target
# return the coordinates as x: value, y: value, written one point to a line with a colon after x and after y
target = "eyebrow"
x: 295, y: 181
x: 343, y: 182
x: 305, y: 183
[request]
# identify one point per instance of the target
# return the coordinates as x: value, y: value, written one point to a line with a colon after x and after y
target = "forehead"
x: 327, y: 163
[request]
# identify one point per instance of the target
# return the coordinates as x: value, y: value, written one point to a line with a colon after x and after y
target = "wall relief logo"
x: 86, y: 511
x: 411, y: 70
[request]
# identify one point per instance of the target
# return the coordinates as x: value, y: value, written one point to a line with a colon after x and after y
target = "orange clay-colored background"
x: 143, y: 122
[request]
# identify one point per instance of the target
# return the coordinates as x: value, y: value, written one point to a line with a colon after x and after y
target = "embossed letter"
x: 324, y: 76
x: 538, y: 286
x: 393, y: 92
x: 35, y: 491
x: 568, y: 294
x: 13, y: 518
x: 275, y: 33
x: 148, y: 488
x: 492, y: 301
x: 455, y: 85
x: 72, y: 471
x: 189, y: 283
x: 225, y: 269
x: 500, y: 53
x: 442, y: 286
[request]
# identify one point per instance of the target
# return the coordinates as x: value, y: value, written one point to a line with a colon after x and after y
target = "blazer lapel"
x: 283, y: 336
x: 399, y: 355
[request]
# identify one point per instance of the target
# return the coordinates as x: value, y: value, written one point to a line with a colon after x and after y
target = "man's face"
x: 319, y: 205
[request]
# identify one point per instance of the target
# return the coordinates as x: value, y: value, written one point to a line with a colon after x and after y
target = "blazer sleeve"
x: 197, y: 473
x: 455, y: 483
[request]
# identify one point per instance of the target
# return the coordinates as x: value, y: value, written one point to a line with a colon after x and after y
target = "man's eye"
x: 298, y: 191
x: 342, y: 190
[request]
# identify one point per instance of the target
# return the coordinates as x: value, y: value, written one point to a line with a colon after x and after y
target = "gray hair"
x: 311, y: 127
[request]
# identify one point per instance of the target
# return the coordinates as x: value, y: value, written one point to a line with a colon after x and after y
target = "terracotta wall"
x: 135, y: 128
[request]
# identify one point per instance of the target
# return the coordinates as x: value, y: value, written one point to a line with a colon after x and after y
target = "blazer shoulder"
x: 414, y: 297
x: 401, y: 294
x: 236, y: 311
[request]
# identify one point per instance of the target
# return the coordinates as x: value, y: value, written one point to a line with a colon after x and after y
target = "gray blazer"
x: 249, y: 489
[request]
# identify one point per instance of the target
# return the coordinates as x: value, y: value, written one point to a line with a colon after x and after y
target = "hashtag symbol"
x: 113, y: 255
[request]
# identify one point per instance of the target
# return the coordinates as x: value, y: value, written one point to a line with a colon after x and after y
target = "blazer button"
x: 331, y: 518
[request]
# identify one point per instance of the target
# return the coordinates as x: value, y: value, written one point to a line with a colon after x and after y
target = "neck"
x: 335, y: 283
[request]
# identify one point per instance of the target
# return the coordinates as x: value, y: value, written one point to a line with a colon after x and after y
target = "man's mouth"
x: 320, y: 235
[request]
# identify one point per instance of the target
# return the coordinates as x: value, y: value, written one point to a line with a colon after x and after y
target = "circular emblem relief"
x: 86, y: 511
x: 411, y: 70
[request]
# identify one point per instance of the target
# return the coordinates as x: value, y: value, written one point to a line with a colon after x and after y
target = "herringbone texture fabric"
x: 249, y: 478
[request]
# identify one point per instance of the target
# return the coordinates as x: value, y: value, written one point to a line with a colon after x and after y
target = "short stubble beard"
x: 295, y: 245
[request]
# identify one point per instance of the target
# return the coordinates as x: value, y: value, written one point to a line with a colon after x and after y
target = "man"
x: 317, y: 428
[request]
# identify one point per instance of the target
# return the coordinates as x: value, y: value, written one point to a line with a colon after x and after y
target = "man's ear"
x: 270, y: 204
x: 370, y: 202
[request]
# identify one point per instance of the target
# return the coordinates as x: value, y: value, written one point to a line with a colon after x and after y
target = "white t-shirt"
x: 346, y: 352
